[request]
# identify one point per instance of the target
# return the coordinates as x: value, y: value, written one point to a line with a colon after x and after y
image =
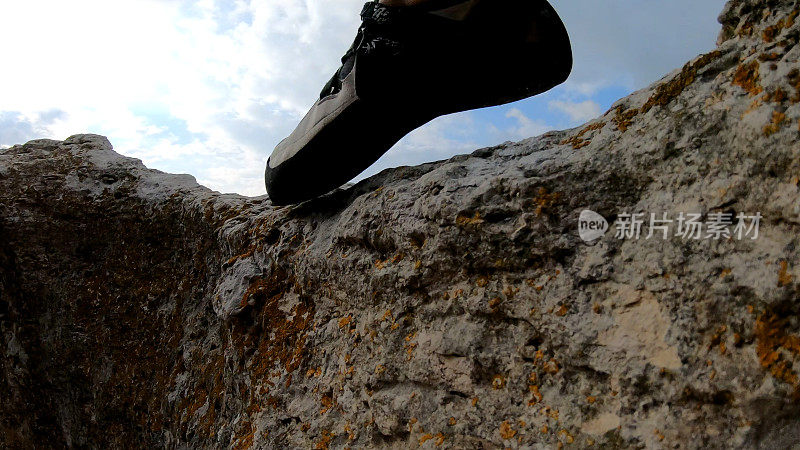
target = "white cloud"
x: 577, y: 111
x: 526, y: 127
x: 236, y: 89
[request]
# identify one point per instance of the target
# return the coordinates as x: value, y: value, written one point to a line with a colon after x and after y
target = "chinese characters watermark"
x: 689, y: 226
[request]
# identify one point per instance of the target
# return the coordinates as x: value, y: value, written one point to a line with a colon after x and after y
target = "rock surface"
x: 448, y: 305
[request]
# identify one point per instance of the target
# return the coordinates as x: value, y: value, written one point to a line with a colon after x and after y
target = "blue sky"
x: 209, y: 87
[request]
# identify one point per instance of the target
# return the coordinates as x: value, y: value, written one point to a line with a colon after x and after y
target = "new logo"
x: 591, y: 226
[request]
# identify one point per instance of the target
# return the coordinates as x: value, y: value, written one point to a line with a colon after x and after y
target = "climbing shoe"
x: 407, y: 66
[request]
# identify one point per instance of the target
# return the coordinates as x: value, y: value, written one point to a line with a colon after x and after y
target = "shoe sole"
x: 345, y: 143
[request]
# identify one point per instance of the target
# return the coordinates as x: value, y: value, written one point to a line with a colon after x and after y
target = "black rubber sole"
x: 488, y: 72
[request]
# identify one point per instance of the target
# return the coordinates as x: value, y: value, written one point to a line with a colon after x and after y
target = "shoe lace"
x: 376, y: 20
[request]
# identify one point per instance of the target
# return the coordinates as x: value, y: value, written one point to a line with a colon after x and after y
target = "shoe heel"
x: 518, y: 48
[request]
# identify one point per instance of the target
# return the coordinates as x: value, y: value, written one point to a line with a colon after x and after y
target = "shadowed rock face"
x: 451, y: 304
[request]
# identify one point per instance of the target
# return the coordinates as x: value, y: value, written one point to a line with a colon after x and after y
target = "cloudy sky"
x: 209, y: 87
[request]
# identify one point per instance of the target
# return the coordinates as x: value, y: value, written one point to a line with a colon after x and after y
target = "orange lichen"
x: 774, y: 345
x: 506, y: 432
x: 498, y: 382
x: 327, y: 403
x: 324, y: 441
x: 790, y: 18
x: 551, y: 367
x: 562, y: 311
x: 246, y: 441
x: 591, y: 399
x: 244, y: 255
x: 771, y: 32
x: 775, y: 125
x: 774, y: 56
x: 669, y: 90
x: 549, y: 412
x: 536, y: 396
x: 784, y: 277
x: 493, y: 303
x: 464, y: 221
x: 746, y: 29
x: 425, y: 438
x: 568, y: 438
x: 623, y: 119
x: 577, y: 141
x: 349, y: 431
x: 543, y: 201
x: 510, y: 291
x: 410, y: 347
x: 794, y: 80
x: 747, y: 77
x: 257, y: 287
x: 716, y: 338
x: 283, y: 348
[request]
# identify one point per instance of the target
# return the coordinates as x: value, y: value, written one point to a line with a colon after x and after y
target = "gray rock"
x: 452, y: 304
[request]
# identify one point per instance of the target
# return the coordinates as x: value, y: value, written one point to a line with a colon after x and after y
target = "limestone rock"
x: 449, y: 305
